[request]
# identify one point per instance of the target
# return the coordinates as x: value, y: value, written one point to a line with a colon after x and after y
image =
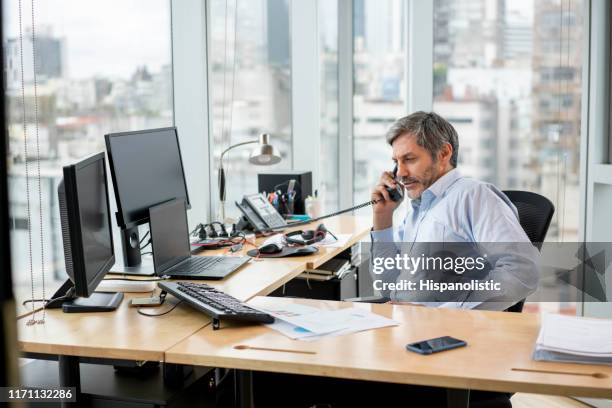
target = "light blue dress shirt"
x: 458, y: 209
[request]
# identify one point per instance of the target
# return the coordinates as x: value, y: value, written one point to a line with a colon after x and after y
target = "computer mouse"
x: 273, y: 248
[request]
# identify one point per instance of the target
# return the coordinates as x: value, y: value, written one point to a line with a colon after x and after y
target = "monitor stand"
x: 96, y: 302
x: 65, y: 298
x: 145, y: 268
x: 133, y: 264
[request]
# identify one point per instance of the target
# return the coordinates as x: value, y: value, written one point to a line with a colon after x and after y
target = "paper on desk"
x: 357, y: 320
x: 307, y: 317
x: 330, y: 242
x: 308, y: 323
x: 576, y: 335
x: 290, y: 330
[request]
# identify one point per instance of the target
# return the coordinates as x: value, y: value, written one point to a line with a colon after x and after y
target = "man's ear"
x: 445, y: 153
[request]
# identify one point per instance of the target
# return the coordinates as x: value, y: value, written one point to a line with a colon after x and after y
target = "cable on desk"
x: 25, y: 302
x: 140, y: 312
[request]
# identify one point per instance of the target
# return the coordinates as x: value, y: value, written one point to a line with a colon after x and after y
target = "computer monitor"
x: 87, y: 236
x: 147, y: 169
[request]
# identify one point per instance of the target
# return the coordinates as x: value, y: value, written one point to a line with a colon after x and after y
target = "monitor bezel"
x: 121, y: 221
x: 81, y: 286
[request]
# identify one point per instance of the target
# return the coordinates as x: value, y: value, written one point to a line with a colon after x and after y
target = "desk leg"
x: 457, y: 398
x: 244, y: 388
x: 70, y: 376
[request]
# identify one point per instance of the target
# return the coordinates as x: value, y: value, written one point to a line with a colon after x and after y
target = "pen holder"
x: 284, y: 204
x: 313, y: 207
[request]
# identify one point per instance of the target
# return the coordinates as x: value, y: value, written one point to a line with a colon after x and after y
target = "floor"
x: 521, y: 400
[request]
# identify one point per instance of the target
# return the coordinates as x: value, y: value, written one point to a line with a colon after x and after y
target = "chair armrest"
x: 368, y: 299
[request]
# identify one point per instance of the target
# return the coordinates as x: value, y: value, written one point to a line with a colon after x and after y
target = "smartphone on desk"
x: 435, y: 345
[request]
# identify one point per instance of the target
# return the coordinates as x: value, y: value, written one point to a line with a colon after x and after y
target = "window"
x: 91, y: 80
x: 328, y: 51
x: 250, y: 86
x: 529, y: 97
x: 379, y: 82
x: 476, y: 79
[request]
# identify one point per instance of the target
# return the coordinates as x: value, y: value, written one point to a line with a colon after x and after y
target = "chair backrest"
x: 535, y: 213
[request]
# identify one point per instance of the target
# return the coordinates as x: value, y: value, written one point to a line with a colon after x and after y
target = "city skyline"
x: 138, y: 33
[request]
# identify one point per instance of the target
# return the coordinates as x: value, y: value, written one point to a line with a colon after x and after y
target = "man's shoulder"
x: 467, y: 186
x: 469, y: 190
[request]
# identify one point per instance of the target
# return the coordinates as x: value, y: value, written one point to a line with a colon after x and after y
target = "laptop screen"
x: 169, y: 234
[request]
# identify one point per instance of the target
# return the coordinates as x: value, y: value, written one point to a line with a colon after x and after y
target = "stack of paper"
x: 574, y: 340
x: 309, y: 323
x: 335, y: 267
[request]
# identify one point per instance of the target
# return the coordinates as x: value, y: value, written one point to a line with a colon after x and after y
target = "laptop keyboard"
x: 197, y: 264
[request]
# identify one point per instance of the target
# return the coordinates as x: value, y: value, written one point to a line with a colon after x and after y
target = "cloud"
x: 106, y: 37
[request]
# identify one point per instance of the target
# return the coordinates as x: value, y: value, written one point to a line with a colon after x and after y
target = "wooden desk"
x: 497, y: 342
x: 122, y: 334
x: 125, y: 334
x: 266, y: 275
x: 358, y: 226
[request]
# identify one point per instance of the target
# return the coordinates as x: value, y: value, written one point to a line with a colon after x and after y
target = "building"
x: 50, y: 58
x: 476, y: 123
x: 556, y: 107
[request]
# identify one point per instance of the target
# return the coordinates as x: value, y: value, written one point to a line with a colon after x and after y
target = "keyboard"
x: 206, y: 267
x: 214, y: 303
x: 196, y: 264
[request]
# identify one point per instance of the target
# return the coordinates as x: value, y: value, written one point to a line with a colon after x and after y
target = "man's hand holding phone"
x: 384, y: 206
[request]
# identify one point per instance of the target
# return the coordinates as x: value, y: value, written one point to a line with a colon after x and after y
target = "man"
x: 447, y: 208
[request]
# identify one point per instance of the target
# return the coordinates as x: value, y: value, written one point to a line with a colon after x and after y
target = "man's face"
x: 415, y: 167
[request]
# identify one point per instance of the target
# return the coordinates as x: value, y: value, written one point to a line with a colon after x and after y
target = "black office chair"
x: 535, y: 213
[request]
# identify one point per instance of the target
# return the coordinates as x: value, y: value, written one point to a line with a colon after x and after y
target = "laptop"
x: 172, y: 251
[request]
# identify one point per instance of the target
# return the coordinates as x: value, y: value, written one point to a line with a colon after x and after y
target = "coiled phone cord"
x: 323, y: 217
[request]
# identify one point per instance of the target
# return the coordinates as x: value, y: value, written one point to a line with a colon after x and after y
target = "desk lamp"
x: 263, y: 155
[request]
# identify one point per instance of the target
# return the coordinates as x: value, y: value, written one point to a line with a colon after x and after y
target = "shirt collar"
x: 437, y: 188
x: 443, y: 183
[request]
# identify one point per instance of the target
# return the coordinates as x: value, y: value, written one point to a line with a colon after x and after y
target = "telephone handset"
x: 260, y: 213
x: 396, y: 193
x: 264, y: 217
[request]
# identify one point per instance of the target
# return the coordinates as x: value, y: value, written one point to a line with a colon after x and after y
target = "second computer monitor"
x: 147, y: 169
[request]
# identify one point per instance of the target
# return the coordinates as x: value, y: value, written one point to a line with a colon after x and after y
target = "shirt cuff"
x: 385, y: 235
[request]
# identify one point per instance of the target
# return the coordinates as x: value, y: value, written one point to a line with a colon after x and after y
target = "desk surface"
x: 263, y: 276
x: 497, y: 342
x: 358, y: 226
x: 124, y: 334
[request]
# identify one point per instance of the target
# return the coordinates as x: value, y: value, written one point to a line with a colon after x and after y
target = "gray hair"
x: 431, y: 130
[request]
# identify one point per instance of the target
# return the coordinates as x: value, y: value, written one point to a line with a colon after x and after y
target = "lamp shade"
x: 264, y: 154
